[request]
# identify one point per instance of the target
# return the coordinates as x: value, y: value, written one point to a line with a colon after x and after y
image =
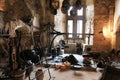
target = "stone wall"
x: 60, y: 23
x: 117, y: 24
x: 19, y: 10
x: 102, y: 42
x: 103, y: 17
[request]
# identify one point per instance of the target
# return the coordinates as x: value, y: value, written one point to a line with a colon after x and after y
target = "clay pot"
x: 39, y: 74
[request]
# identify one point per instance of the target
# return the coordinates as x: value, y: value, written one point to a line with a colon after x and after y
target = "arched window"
x: 76, y: 20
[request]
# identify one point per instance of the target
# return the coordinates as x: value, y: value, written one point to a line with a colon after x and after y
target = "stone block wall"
x: 101, y: 21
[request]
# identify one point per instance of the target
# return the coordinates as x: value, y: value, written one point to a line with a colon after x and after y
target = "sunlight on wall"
x: 107, y: 32
x: 59, y: 20
x: 116, y: 23
x: 117, y: 15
